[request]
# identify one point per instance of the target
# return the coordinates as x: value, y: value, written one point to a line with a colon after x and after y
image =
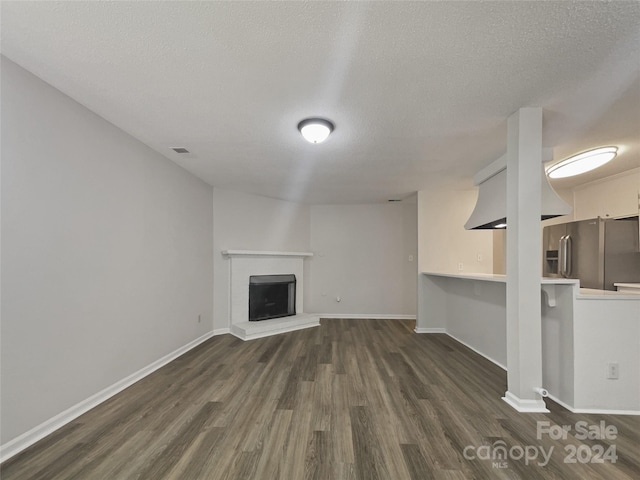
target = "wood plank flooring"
x: 351, y: 399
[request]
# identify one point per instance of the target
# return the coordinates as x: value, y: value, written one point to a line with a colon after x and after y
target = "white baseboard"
x: 525, y: 405
x: 600, y: 411
x: 371, y: 316
x: 597, y: 411
x: 221, y: 331
x: 38, y: 432
x: 444, y: 330
x: 478, y: 352
x: 430, y: 330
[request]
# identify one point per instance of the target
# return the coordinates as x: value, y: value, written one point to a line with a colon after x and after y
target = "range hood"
x: 490, y: 211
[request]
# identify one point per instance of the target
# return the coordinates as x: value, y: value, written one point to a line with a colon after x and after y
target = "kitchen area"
x: 589, y: 281
x: 594, y: 329
x: 590, y: 338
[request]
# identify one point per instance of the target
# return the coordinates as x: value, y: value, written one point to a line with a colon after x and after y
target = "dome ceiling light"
x: 583, y: 162
x: 315, y: 130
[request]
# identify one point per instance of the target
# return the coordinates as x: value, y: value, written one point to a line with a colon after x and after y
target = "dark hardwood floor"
x: 352, y: 399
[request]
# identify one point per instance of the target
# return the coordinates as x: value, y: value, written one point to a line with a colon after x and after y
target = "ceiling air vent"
x: 180, y: 150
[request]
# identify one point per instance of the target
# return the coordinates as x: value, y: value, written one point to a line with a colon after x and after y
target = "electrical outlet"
x: 479, y: 257
x: 199, y: 318
x: 411, y: 258
x: 613, y: 370
x: 460, y: 266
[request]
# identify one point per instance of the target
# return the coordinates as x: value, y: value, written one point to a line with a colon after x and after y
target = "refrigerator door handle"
x: 567, y: 256
x: 560, y: 256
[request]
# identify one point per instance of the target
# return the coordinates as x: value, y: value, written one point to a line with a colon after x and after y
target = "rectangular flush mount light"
x: 180, y: 150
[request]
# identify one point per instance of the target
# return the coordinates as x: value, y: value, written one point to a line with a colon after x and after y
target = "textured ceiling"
x: 419, y: 91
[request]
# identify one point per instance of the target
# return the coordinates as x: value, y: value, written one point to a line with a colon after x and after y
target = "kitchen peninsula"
x: 583, y: 332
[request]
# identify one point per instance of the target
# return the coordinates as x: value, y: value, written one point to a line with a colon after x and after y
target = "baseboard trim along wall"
x: 478, y: 352
x: 595, y: 411
x: 30, y: 437
x: 525, y: 405
x: 371, y: 316
x: 444, y: 330
x: 430, y: 330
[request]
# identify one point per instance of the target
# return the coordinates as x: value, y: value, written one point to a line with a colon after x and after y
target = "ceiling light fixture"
x: 315, y: 130
x: 583, y: 162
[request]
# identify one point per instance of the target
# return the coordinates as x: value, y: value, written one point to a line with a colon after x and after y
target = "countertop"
x: 581, y: 294
x: 592, y: 293
x: 495, y: 277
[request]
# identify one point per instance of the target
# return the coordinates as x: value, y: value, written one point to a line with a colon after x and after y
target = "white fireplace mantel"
x: 245, y: 263
x: 261, y: 253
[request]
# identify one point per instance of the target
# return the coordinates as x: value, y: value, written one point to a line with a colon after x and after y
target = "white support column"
x: 524, y: 246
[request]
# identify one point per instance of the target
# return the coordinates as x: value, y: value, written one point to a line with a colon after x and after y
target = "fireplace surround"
x: 244, y: 264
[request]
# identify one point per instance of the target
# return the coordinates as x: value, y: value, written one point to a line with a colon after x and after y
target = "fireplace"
x: 244, y: 267
x: 271, y: 296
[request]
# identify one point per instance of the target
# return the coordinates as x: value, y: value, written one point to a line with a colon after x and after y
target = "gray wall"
x: 444, y: 243
x: 106, y: 253
x: 362, y: 255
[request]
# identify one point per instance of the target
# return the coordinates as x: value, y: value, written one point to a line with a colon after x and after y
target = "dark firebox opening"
x: 271, y: 296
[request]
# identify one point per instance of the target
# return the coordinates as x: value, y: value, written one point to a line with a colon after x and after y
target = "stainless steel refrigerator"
x: 599, y: 252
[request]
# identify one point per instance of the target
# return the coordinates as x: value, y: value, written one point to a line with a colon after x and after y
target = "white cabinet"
x: 608, y: 198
